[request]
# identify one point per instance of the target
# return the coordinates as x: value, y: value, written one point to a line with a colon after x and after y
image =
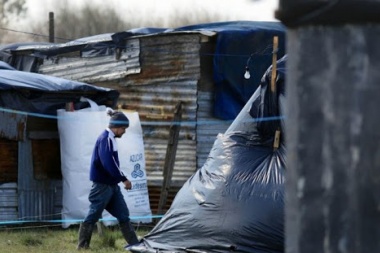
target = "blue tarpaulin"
x: 239, y: 43
x: 37, y: 93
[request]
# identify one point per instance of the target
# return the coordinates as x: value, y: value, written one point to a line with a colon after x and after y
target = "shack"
x: 201, y: 67
x: 30, y: 165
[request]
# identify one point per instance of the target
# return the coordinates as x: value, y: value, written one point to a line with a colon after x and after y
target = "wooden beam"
x: 170, y: 156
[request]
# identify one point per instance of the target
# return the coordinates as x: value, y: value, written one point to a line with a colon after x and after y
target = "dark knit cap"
x: 118, y: 119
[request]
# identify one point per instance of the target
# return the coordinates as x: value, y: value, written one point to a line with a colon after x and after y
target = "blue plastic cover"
x: 239, y: 43
x: 37, y: 93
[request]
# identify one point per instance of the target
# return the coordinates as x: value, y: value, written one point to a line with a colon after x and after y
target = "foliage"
x: 90, y: 19
x: 86, y: 21
x: 11, y: 8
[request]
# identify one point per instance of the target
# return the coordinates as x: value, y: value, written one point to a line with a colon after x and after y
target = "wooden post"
x: 170, y: 156
x: 273, y: 87
x: 274, y: 64
x: 51, y: 27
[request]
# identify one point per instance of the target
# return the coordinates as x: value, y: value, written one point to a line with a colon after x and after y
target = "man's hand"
x: 127, y: 184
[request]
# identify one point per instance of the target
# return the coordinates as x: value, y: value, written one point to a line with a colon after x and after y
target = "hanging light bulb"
x: 247, y: 75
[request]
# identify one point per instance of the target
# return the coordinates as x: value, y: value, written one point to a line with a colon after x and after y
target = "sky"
x: 146, y: 13
x: 259, y: 10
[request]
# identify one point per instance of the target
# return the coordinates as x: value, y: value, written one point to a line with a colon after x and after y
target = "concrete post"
x: 332, y: 120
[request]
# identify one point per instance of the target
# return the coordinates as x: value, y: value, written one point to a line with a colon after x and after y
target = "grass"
x: 52, y: 239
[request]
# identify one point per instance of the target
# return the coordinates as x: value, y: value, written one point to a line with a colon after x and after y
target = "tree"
x: 86, y: 21
x: 11, y: 9
x: 93, y: 19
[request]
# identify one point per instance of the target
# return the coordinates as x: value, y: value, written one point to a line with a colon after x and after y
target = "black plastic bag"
x: 235, y: 202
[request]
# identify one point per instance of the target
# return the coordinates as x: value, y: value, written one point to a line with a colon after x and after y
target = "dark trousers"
x: 106, y: 197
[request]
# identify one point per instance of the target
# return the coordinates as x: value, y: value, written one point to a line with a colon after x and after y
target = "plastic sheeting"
x: 238, y: 44
x: 235, y: 202
x: 7, y: 56
x: 37, y: 93
x: 91, y: 46
x: 273, y: 102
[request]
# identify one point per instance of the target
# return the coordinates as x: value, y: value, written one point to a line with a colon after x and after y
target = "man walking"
x: 105, y: 174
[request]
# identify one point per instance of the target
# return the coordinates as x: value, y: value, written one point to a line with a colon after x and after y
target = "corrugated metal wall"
x: 12, y: 126
x: 12, y: 130
x: 170, y: 72
x: 8, y: 201
x: 156, y: 109
x: 58, y: 194
x: 27, y: 168
x: 36, y: 197
x: 94, y: 69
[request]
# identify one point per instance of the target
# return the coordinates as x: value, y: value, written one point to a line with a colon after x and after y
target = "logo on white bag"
x: 137, y: 172
x: 136, y: 157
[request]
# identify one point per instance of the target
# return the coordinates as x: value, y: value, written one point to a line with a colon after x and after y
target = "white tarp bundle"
x: 78, y: 132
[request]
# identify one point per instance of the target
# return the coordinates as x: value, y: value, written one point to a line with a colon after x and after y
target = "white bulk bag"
x: 132, y: 163
x: 78, y: 132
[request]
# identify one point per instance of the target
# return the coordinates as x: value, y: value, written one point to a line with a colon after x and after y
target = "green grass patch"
x: 59, y: 240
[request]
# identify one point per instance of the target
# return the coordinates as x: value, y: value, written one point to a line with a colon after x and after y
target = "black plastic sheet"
x: 235, y: 202
x: 266, y: 109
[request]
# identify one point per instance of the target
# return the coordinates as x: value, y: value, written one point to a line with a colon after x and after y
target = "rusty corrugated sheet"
x: 166, y: 58
x: 95, y: 69
x: 170, y: 72
x: 155, y: 104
